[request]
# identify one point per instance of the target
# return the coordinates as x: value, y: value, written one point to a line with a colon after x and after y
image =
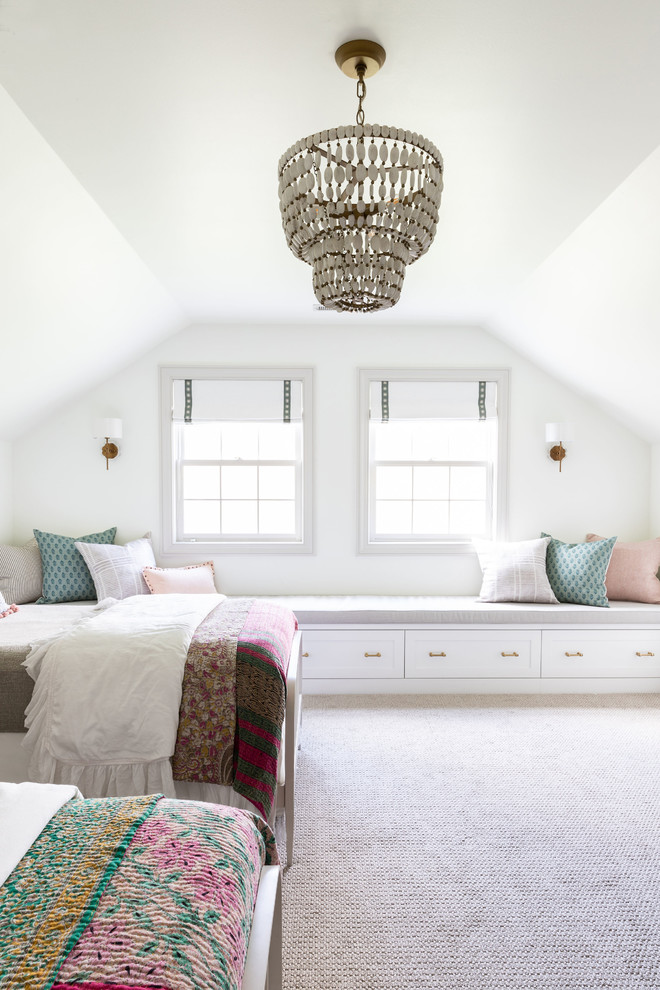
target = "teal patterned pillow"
x: 66, y: 575
x: 577, y: 573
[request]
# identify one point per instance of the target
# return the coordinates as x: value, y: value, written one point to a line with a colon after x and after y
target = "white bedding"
x: 105, y: 707
x: 25, y: 810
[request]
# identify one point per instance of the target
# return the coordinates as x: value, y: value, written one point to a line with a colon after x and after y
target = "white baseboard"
x: 483, y: 685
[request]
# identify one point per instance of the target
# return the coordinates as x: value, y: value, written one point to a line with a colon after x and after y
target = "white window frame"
x: 227, y: 545
x: 425, y: 545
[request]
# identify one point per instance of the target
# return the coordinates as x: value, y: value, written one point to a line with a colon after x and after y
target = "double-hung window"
x: 236, y: 459
x: 433, y: 459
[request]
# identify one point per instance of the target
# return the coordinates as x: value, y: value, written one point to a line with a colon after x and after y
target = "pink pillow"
x: 196, y: 579
x: 632, y: 572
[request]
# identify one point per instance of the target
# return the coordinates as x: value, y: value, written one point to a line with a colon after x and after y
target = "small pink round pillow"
x: 195, y: 579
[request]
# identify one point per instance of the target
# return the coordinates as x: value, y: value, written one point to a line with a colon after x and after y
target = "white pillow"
x: 514, y: 572
x: 117, y: 571
x: 20, y: 573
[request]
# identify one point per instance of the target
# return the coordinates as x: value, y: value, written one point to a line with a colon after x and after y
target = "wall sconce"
x: 558, y: 434
x: 107, y: 428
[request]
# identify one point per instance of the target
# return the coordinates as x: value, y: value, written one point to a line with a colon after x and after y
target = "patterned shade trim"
x: 187, y: 415
x: 286, y: 400
x: 576, y: 571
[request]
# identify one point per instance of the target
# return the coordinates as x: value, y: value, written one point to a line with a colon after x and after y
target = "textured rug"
x: 476, y: 843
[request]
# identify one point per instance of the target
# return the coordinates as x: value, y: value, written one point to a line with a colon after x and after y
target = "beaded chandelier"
x: 360, y: 202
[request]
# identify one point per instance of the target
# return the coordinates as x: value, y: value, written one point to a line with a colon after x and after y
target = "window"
x: 236, y: 460
x: 433, y: 459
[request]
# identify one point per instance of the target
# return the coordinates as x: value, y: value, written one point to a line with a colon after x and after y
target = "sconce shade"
x: 108, y: 427
x: 559, y: 432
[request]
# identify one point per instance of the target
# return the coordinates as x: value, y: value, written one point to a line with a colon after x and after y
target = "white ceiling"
x: 138, y: 177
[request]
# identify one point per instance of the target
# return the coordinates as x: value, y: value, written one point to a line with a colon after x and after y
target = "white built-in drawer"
x: 600, y: 653
x: 473, y: 653
x: 353, y: 653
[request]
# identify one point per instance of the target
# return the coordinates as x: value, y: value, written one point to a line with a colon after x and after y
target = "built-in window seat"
x: 420, y: 644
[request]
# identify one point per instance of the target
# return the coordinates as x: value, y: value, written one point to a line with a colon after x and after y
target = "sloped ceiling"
x: 140, y: 140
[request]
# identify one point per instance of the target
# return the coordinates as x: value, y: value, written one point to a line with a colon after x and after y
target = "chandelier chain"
x: 360, y: 68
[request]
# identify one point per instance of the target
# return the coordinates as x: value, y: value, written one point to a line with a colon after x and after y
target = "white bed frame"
x: 292, y: 722
x: 263, y: 962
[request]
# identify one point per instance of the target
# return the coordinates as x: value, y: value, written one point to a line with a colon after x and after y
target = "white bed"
x: 37, y: 623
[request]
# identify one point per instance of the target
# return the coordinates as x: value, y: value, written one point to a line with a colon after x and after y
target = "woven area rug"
x: 476, y: 843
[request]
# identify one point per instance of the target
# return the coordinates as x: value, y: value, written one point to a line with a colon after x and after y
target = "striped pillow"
x: 20, y: 573
x: 514, y: 572
x: 117, y: 571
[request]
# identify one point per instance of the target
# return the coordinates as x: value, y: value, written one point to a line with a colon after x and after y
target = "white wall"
x: 61, y: 485
x: 6, y: 503
x: 655, y: 490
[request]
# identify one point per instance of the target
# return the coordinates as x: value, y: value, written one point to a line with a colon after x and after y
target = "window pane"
x: 201, y: 482
x: 201, y: 441
x: 393, y: 482
x: 239, y: 482
x: 277, y: 482
x: 467, y: 517
x: 431, y: 482
x: 239, y: 517
x: 470, y: 441
x: 430, y: 518
x: 240, y: 441
x: 277, y: 517
x: 277, y: 441
x: 468, y: 482
x: 393, y: 517
x: 201, y: 517
x: 430, y: 441
x: 392, y: 441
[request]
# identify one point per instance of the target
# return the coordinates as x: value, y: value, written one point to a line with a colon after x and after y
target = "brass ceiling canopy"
x: 354, y: 53
x: 360, y: 202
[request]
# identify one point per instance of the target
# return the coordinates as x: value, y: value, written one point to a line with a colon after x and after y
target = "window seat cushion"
x: 324, y: 610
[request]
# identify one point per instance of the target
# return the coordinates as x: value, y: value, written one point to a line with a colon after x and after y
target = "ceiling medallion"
x: 360, y: 202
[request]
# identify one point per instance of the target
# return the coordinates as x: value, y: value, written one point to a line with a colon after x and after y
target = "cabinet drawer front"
x: 466, y: 653
x: 606, y: 653
x: 353, y: 653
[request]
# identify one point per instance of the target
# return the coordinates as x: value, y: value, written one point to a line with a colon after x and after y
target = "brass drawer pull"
x: 638, y: 654
x: 437, y: 654
x: 372, y: 654
x: 514, y: 654
x: 573, y: 654
x: 305, y: 654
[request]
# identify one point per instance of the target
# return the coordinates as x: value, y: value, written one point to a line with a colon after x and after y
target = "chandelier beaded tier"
x: 359, y: 203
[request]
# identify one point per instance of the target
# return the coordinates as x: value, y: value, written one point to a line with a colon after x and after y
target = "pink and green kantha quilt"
x: 234, y: 699
x: 144, y: 892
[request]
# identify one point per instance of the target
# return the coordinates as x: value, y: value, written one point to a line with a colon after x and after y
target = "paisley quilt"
x: 234, y: 699
x: 144, y: 892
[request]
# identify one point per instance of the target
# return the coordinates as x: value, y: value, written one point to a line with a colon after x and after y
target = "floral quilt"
x: 144, y: 892
x: 234, y: 699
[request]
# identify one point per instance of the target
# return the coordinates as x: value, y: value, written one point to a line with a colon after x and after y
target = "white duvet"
x: 25, y: 810
x: 105, y: 707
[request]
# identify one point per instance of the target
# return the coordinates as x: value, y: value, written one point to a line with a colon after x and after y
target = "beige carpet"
x: 476, y: 843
